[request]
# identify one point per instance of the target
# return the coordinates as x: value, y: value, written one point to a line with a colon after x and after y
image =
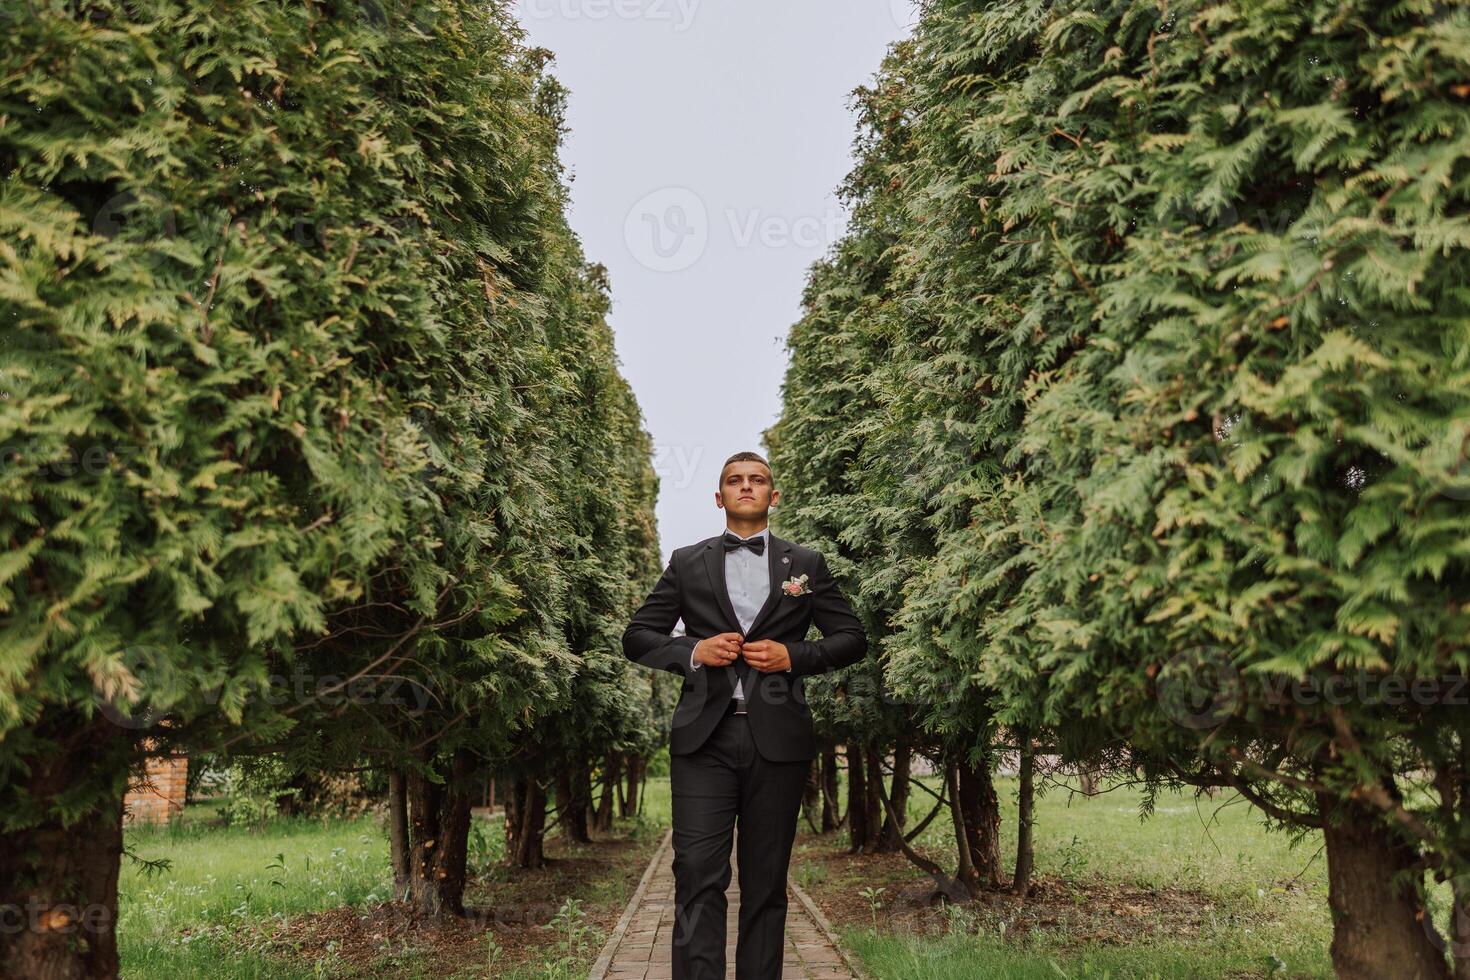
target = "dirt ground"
x: 517, y: 910
x: 1090, y: 910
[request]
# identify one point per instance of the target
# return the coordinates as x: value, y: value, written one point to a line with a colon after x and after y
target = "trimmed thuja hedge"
x: 1137, y: 403
x: 302, y: 375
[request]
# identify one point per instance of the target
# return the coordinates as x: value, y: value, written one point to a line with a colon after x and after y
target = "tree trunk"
x: 873, y: 818
x: 398, y: 832
x: 1087, y: 781
x: 1025, y: 852
x: 965, y: 865
x: 582, y: 793
x: 830, y: 818
x: 529, y: 851
x: 1380, y: 928
x: 1460, y: 884
x: 981, y: 809
x: 572, y: 802
x: 635, y: 776
x: 898, y: 795
x: 513, y: 801
x: 439, y: 837
x: 615, y: 773
x: 58, y: 882
x: 811, y: 795
x: 603, y: 817
x: 1460, y: 927
x: 857, y: 800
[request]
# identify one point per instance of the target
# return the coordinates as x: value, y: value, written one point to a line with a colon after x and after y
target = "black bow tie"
x: 756, y: 544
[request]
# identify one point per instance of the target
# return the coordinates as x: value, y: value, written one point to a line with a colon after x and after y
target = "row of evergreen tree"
x: 314, y: 438
x: 1133, y: 410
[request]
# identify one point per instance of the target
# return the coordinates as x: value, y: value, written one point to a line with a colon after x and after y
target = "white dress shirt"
x: 748, y: 579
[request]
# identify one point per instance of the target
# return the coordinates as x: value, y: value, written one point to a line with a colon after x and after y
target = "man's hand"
x: 766, y: 656
x: 719, y: 650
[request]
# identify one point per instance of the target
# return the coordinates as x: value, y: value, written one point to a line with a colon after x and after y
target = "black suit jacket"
x: 693, y: 588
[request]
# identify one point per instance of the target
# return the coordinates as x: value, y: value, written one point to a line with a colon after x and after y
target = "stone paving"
x: 639, y: 946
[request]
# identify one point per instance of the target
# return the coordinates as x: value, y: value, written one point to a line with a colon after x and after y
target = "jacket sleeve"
x: 647, y: 642
x: 843, y: 641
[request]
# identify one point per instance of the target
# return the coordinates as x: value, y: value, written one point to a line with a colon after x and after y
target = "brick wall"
x: 159, y: 795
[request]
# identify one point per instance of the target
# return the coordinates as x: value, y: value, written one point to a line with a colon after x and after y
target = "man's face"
x: 745, y: 490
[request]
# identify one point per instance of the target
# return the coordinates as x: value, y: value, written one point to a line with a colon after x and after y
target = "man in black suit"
x: 741, y: 742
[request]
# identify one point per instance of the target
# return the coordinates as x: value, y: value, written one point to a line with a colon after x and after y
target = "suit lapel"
x: 776, y: 550
x: 714, y: 563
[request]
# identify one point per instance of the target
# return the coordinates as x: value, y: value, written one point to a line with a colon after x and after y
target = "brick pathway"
x: 639, y: 946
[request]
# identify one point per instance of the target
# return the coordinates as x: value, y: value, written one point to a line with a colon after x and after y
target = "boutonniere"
x: 796, y: 585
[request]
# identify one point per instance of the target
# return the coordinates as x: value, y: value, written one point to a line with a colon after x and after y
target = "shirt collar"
x: 764, y: 532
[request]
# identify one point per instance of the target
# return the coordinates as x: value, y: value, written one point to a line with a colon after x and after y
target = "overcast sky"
x: 707, y: 140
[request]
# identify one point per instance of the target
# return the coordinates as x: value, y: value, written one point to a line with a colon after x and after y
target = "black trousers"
x: 724, y: 781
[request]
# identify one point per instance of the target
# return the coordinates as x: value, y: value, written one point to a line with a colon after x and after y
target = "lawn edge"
x: 815, y: 912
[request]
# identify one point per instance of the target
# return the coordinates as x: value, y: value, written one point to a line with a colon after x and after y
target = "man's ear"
x: 719, y: 500
x: 775, y: 496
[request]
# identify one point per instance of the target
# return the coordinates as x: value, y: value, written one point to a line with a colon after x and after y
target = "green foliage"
x: 253, y: 792
x: 307, y: 393
x: 1143, y: 371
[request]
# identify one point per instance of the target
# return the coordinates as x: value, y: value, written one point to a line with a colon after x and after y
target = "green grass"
x: 1258, y: 899
x: 658, y: 801
x: 208, y: 913
x: 195, y: 917
x: 1259, y: 903
x: 965, y: 959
